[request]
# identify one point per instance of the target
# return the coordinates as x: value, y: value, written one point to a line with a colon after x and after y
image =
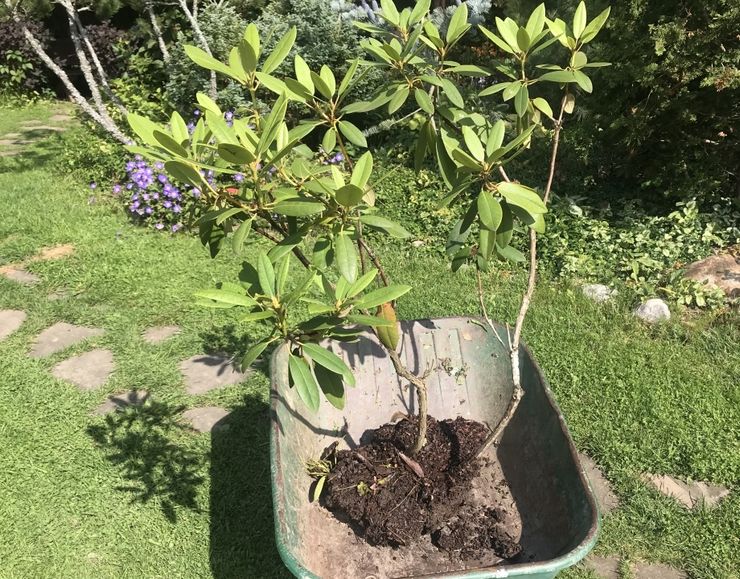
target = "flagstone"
x: 59, y: 337
x: 206, y: 418
x: 122, y: 400
x: 159, y: 334
x: 204, y: 373
x: 87, y: 371
x: 10, y: 321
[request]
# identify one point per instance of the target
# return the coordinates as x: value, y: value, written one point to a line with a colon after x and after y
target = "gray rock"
x: 417, y: 243
x: 653, y: 311
x: 20, y: 275
x: 605, y: 496
x: 598, y: 292
x: 206, y: 418
x: 59, y: 337
x: 122, y: 400
x: 87, y: 371
x: 10, y: 321
x: 657, y: 571
x: 159, y: 334
x: 722, y: 271
x: 689, y: 494
x: 204, y: 373
x: 603, y: 567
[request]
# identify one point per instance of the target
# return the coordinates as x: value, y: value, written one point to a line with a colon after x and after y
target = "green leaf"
x: 505, y: 231
x: 253, y: 353
x: 536, y: 22
x: 330, y: 361
x: 542, y: 105
x: 208, y: 104
x: 257, y: 316
x: 522, y: 39
x: 497, y: 40
x: 421, y: 9
x: 271, y: 83
x: 224, y: 215
x: 299, y: 207
x: 179, y: 128
x: 266, y: 274
x: 381, y: 223
x: 398, y: 99
x: 562, y: 76
x: 473, y: 143
x: 240, y: 236
x: 510, y: 253
x: 304, y: 381
x: 583, y: 81
x: 512, y: 90
x: 507, y: 29
x: 281, y: 50
x: 522, y: 196
x: 349, y: 195
x: 452, y: 93
x: 247, y: 56
x: 579, y: 20
x: 329, y: 81
x: 424, y: 101
x: 184, y: 173
x: 283, y: 268
x: 578, y: 60
x: 333, y: 388
x: 144, y: 128
x: 272, y: 124
x: 205, y: 60
x: 346, y: 256
x: 361, y: 283
x: 362, y: 171
x: 489, y: 211
x: 496, y: 136
x: 226, y: 297
x: 348, y: 76
x: 593, y: 27
x: 352, y: 133
x: 235, y: 154
x: 381, y: 296
x: 303, y: 74
x: 252, y: 37
x: 458, y: 24
x: 486, y: 242
x: 390, y: 12
x: 521, y: 101
x: 373, y: 321
x: 329, y: 141
x: 170, y: 144
x: 493, y: 89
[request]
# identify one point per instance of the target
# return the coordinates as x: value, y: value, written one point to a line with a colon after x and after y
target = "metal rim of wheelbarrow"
x: 541, y: 567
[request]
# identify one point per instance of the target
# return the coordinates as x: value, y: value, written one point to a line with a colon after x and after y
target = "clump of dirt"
x: 391, y: 498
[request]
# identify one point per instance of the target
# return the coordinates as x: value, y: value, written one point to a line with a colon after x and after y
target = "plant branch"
x: 374, y: 258
x: 420, y: 386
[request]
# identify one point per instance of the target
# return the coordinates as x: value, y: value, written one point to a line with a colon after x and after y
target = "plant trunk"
x: 200, y: 37
x: 105, y: 122
x: 82, y: 35
x: 158, y: 32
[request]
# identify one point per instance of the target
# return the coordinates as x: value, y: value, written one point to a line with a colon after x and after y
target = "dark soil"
x: 392, y: 499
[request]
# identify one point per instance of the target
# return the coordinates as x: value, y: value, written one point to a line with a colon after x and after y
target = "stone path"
x: 688, y: 494
x: 657, y: 571
x: 605, y: 497
x: 603, y: 567
x: 206, y: 418
x: 159, y: 334
x: 10, y: 321
x: 123, y: 400
x: 204, y: 373
x: 11, y: 144
x: 17, y: 271
x: 87, y: 371
x: 59, y: 337
x: 18, y: 274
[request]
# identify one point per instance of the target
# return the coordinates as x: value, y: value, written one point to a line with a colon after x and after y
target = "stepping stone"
x: 87, y: 371
x: 688, y: 494
x: 206, y: 418
x: 605, y: 497
x: 159, y: 334
x: 598, y: 292
x: 10, y: 321
x: 653, y: 311
x: 122, y: 400
x: 657, y: 571
x: 31, y: 123
x: 56, y: 252
x: 204, y: 373
x: 57, y: 295
x: 59, y: 337
x: 721, y: 270
x: 603, y: 567
x: 60, y: 118
x: 20, y: 275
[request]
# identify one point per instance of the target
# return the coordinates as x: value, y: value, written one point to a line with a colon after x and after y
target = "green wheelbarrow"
x: 556, y: 515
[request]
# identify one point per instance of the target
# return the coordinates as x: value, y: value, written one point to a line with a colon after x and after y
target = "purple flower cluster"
x: 153, y: 198
x: 335, y: 159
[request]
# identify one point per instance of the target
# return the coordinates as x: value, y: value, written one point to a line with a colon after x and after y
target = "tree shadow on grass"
x: 141, y: 440
x: 242, y: 524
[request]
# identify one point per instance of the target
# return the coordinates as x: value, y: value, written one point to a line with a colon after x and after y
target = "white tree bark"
x: 72, y: 12
x: 200, y: 37
x: 157, y: 32
x: 104, y: 121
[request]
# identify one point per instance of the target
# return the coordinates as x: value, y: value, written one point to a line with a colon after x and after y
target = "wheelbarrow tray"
x: 472, y: 379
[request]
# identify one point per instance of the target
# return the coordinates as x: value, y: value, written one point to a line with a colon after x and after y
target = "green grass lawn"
x: 138, y: 496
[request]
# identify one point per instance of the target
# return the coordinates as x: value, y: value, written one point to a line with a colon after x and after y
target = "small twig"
x: 483, y: 309
x: 412, y: 464
x: 374, y: 258
x: 364, y: 460
x: 421, y: 392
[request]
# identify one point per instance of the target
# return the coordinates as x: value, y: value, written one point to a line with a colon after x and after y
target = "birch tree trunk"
x: 104, y: 121
x: 200, y: 37
x: 72, y: 11
x: 157, y: 32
